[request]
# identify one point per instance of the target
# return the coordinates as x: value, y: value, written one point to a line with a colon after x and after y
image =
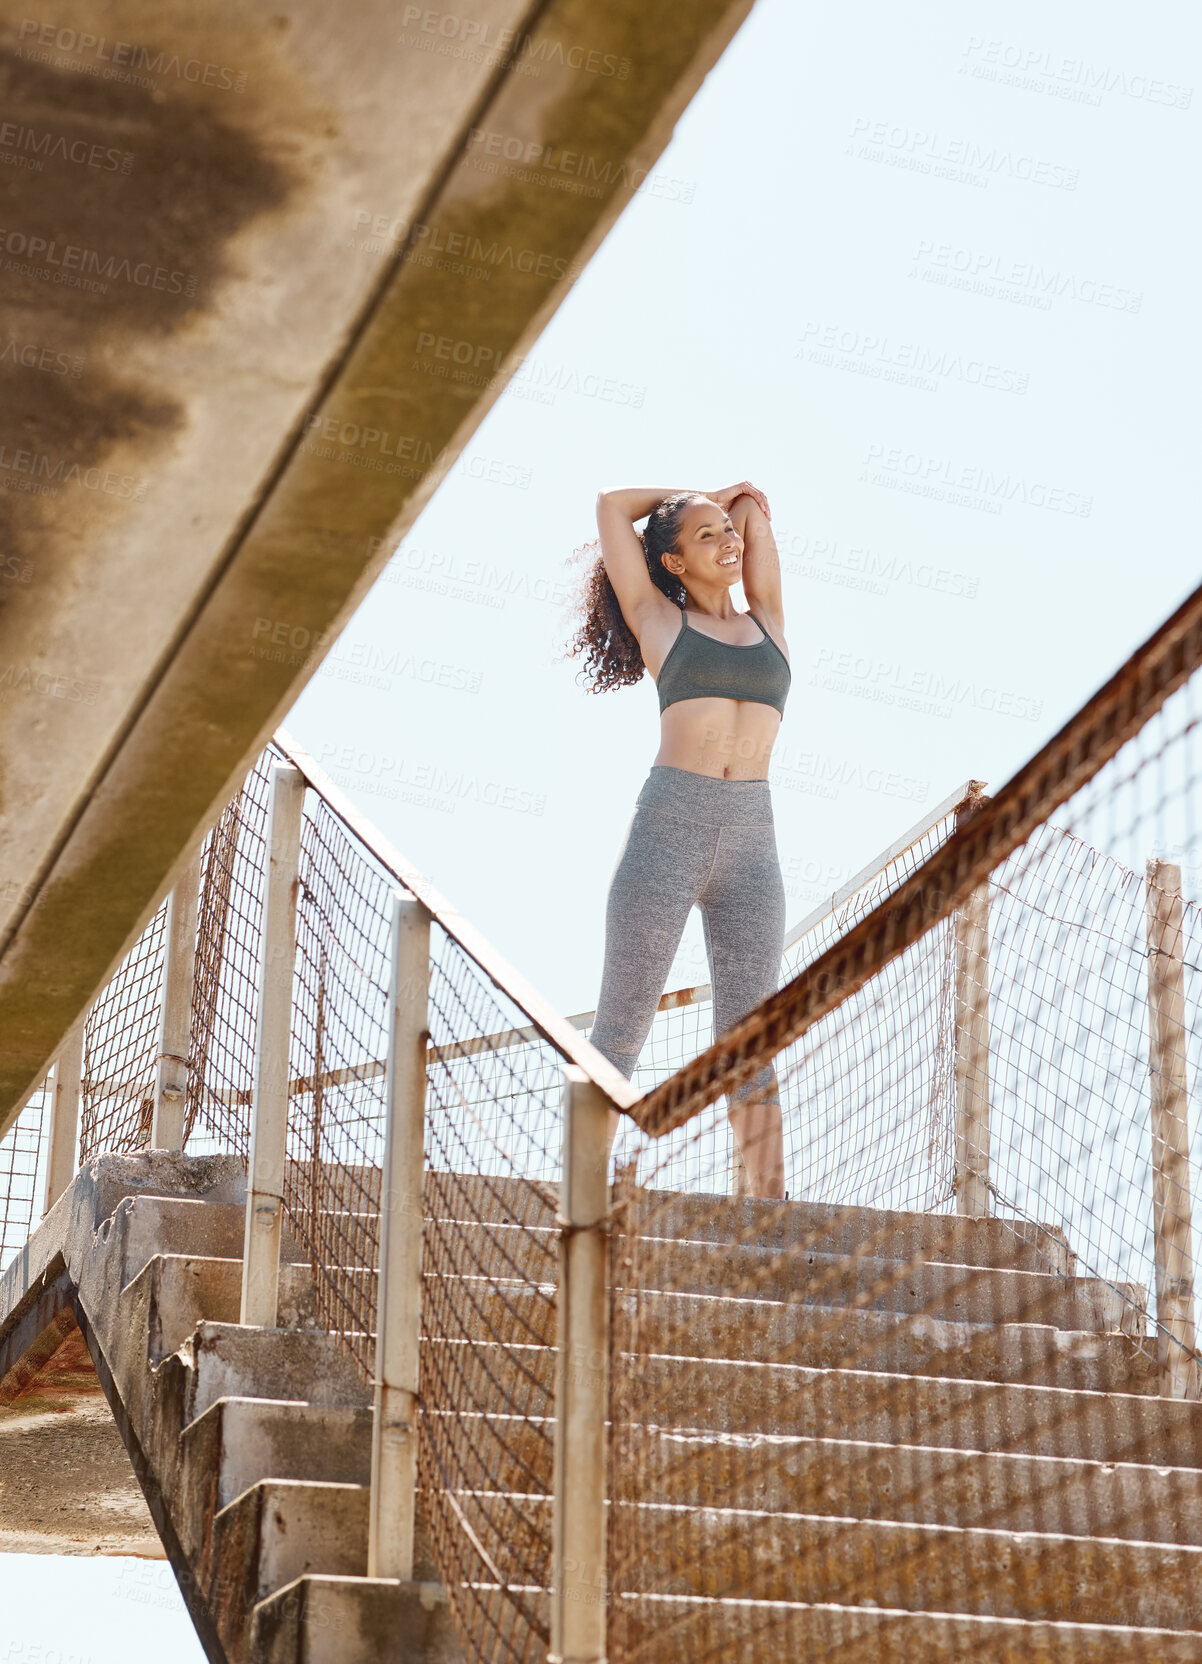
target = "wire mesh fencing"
x: 23, y: 1152
x: 493, y: 1155
x: 337, y: 1106
x: 120, y: 1051
x: 122, y: 1026
x: 824, y: 1154
x: 224, y: 1014
x: 974, y: 1315
x: 489, y: 1307
x: 493, y: 1133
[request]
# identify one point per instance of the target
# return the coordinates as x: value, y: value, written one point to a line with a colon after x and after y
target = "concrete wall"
x: 232, y: 235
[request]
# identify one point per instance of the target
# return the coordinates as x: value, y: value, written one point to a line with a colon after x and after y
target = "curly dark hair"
x: 610, y: 650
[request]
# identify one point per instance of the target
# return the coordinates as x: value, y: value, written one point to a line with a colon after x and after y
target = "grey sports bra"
x: 701, y: 667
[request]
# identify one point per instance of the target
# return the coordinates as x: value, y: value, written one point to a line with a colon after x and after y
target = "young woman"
x: 702, y: 833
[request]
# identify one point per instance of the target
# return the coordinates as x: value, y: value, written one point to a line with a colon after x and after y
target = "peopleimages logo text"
x: 69, y: 259
x: 976, y: 478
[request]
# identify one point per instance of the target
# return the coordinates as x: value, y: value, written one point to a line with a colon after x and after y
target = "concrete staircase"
x: 964, y: 1456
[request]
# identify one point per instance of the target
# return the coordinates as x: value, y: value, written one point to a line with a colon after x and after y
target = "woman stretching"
x: 702, y: 833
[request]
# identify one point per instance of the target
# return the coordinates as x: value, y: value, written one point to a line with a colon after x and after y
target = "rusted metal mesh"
x: 23, y: 1151
x: 494, y: 1150
x: 915, y: 1152
x: 120, y: 1050
x: 121, y: 1033
x: 830, y: 1414
x: 225, y: 988
x: 336, y: 1112
x: 493, y: 1131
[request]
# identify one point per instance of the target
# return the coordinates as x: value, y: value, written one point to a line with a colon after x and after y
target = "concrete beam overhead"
x: 235, y: 240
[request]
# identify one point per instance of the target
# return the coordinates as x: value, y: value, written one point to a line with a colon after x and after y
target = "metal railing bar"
x: 702, y: 991
x: 1068, y: 761
x: 546, y: 1020
x: 877, y: 865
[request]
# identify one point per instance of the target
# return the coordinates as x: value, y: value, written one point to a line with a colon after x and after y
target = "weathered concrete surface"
x: 736, y: 1397
x: 857, y: 1636
x: 827, y: 1337
x: 193, y: 1453
x: 717, y: 1554
x: 860, y: 1479
x: 884, y: 1278
x: 766, y: 1225
x: 338, y: 1622
x: 954, y: 1514
x: 213, y: 444
x: 66, y: 1486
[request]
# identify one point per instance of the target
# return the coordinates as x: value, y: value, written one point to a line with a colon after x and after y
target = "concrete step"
x: 186, y: 1290
x: 825, y: 1227
x: 239, y: 1441
x: 337, y: 1621
x: 282, y: 1529
x: 830, y: 1228
x: 834, y: 1337
x: 820, y: 1337
x: 779, y: 1226
x: 275, y: 1532
x: 855, y: 1479
x: 666, y: 1631
x: 225, y: 1360
x: 955, y: 1293
x: 341, y: 1620
x: 725, y: 1553
x: 154, y: 1225
x: 216, y: 1178
x: 730, y: 1396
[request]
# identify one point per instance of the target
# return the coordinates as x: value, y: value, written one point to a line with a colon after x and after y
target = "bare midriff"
x: 728, y: 739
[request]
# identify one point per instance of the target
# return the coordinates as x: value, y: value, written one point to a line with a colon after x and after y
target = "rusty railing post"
x: 269, y: 1105
x: 175, y: 1015
x: 971, y: 925
x: 578, y: 1582
x: 66, y: 1084
x: 398, y: 1302
x: 1171, y: 1206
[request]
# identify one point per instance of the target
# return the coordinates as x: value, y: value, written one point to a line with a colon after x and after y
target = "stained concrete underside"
x: 230, y: 235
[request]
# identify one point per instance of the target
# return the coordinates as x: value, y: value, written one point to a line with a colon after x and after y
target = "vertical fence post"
x: 740, y: 1184
x: 578, y: 1584
x: 398, y: 1298
x: 1170, y: 1132
x: 65, y: 1094
x: 179, y: 976
x: 972, y: 1042
x: 269, y: 1111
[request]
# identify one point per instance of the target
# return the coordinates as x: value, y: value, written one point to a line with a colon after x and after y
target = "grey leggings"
x: 692, y: 841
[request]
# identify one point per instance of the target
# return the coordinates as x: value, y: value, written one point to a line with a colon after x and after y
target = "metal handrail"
x: 670, y: 1001
x: 703, y: 991
x: 562, y: 1032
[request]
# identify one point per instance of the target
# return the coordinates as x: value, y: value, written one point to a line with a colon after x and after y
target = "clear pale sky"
x: 935, y: 292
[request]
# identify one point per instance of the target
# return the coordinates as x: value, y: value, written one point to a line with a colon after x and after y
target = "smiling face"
x: 708, y: 546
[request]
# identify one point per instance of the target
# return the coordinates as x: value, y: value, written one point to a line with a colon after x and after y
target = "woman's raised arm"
x: 761, y: 559
x: 622, y: 552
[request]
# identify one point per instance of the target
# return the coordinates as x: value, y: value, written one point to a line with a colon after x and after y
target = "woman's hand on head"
x: 729, y: 493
